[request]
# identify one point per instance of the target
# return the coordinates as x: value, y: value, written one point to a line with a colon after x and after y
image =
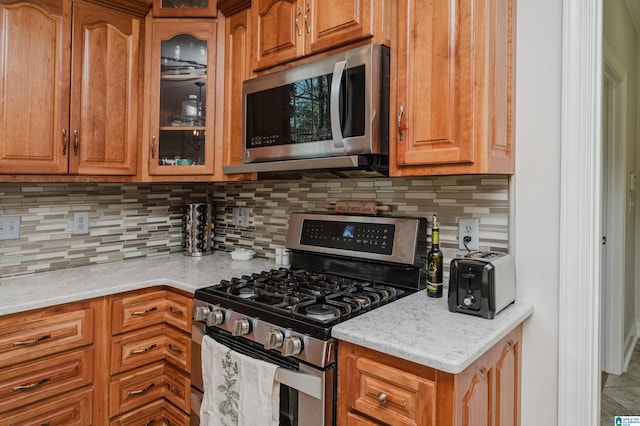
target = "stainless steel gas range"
x: 342, y: 266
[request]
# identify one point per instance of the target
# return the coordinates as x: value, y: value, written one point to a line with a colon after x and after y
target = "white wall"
x: 621, y: 36
x: 537, y: 200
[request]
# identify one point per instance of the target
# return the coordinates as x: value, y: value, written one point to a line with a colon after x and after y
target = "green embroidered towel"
x: 238, y: 390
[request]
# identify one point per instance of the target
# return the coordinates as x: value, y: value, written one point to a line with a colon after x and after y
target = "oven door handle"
x: 336, y: 128
x: 305, y: 383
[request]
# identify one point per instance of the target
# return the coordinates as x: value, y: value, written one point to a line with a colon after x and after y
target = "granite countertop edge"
x: 416, y: 328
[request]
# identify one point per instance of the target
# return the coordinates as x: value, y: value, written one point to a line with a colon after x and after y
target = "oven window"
x: 288, y: 406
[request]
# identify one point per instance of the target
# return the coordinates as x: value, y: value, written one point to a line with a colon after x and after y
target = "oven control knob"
x: 469, y: 300
x: 292, y: 346
x: 215, y: 317
x: 241, y: 327
x: 201, y: 313
x: 274, y: 339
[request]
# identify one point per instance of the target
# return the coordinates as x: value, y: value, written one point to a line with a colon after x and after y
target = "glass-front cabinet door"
x: 182, y: 95
x: 185, y: 8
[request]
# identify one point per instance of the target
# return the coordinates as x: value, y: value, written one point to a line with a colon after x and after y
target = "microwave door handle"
x: 336, y: 129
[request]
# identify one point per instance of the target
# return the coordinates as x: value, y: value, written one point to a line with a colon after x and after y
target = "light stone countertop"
x: 23, y: 293
x: 415, y: 328
x: 421, y: 329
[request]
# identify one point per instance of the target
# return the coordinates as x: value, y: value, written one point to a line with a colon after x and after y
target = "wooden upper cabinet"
x: 104, y: 88
x: 69, y: 86
x: 181, y: 115
x: 290, y: 29
x: 454, y: 88
x: 34, y: 86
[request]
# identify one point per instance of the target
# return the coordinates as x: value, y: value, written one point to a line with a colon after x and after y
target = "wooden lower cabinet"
x: 379, y: 389
x: 149, y: 358
x: 119, y: 360
x: 47, y: 365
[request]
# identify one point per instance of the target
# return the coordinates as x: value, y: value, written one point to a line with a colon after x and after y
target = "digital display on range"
x: 364, y: 237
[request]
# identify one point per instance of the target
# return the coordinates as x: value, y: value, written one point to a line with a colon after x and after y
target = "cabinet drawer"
x: 23, y: 339
x: 390, y: 395
x: 144, y: 385
x: 138, y: 348
x: 136, y: 388
x: 158, y: 412
x: 152, y: 344
x: 69, y: 410
x: 136, y: 311
x: 177, y: 387
x: 27, y: 383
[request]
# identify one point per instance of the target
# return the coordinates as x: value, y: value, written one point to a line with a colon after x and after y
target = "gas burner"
x: 246, y: 292
x: 319, y: 312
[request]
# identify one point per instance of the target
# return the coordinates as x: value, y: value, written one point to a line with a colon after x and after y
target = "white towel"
x: 238, y: 390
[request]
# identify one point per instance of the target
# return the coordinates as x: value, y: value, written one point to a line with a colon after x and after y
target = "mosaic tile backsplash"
x: 138, y: 220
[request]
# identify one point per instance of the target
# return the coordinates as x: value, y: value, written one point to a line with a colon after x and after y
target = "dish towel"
x: 238, y: 390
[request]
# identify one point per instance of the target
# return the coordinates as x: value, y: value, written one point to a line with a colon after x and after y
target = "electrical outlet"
x: 244, y: 217
x: 80, y: 223
x: 235, y: 218
x: 468, y: 228
x: 9, y: 227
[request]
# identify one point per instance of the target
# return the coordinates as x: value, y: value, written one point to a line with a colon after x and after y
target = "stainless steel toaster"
x: 481, y: 283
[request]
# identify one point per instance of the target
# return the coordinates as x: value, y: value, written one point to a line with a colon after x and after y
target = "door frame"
x: 580, y: 234
x: 613, y: 267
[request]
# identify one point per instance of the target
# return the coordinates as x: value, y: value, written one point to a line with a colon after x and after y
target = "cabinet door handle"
x: 298, y: 21
x: 141, y: 351
x: 153, y: 146
x: 306, y: 15
x: 32, y: 385
x: 175, y: 349
x: 76, y: 142
x: 65, y: 141
x: 400, y: 114
x: 143, y: 390
x: 31, y: 342
x: 382, y: 397
x: 145, y: 312
x: 175, y: 311
x: 174, y: 389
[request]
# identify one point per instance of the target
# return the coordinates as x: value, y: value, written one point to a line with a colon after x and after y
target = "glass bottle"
x: 435, y: 260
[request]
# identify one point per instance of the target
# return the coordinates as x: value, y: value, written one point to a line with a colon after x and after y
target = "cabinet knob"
x: 65, y: 141
x: 306, y: 18
x: 382, y: 397
x: 76, y: 142
x: 400, y: 114
x: 298, y: 21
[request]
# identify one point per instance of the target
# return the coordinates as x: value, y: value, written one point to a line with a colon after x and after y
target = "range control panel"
x: 399, y: 240
x: 363, y: 237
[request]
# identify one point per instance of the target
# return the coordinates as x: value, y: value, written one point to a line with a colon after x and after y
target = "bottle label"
x: 434, y: 279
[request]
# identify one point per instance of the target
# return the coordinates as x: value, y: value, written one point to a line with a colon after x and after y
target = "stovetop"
x: 300, y: 299
x: 341, y: 266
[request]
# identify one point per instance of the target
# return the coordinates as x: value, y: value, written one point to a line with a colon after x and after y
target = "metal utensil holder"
x: 197, y: 234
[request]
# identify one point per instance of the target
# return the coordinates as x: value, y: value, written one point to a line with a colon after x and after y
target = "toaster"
x: 481, y: 283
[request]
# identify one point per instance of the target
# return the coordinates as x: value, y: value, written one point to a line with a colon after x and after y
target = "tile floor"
x: 621, y: 394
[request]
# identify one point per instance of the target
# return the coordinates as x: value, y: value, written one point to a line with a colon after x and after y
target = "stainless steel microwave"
x: 329, y: 114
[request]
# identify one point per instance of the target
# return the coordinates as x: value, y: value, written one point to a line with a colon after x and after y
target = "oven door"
x: 307, y: 394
